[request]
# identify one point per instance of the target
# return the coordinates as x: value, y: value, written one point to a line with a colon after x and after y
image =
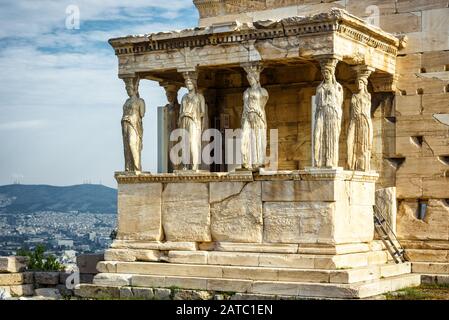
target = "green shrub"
x: 39, y: 261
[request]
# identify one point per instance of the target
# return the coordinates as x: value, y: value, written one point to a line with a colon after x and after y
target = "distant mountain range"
x: 91, y: 198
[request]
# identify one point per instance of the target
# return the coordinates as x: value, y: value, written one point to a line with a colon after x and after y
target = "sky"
x: 60, y: 97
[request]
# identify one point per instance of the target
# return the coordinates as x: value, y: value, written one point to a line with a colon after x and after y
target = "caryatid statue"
x: 328, y: 117
x: 254, y: 120
x: 360, y: 132
x: 192, y: 119
x: 132, y: 128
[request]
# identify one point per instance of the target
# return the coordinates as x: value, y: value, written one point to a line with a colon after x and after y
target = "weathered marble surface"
x: 221, y: 191
x: 386, y: 204
x: 139, y: 211
x: 186, y: 212
x: 342, y: 36
x: 298, y: 222
x: 435, y: 225
x: 12, y: 264
x: 14, y: 279
x: 237, y: 217
x: 155, y: 245
x: 302, y: 190
x: 315, y: 206
x: 131, y: 255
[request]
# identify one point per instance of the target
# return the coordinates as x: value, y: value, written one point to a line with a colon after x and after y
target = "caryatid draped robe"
x: 328, y: 118
x: 360, y: 132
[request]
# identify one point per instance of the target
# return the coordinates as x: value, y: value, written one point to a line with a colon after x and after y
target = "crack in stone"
x: 231, y: 196
x: 428, y: 145
x: 439, y: 76
x: 348, y: 195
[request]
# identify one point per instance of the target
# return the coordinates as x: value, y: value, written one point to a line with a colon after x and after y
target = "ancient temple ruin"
x: 306, y: 228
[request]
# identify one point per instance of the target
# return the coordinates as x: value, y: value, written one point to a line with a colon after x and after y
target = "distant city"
x: 64, y: 234
x: 82, y: 221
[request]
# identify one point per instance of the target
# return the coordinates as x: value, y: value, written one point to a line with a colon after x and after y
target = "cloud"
x: 27, y: 18
x: 60, y: 97
x: 67, y: 68
x: 29, y: 124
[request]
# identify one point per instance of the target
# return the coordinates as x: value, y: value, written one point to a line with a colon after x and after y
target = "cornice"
x: 146, y: 177
x: 311, y: 174
x: 335, y: 21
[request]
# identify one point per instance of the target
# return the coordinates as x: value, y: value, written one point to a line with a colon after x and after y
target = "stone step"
x: 437, y: 279
x: 430, y: 267
x: 251, y: 259
x: 287, y: 248
x: 309, y: 261
x: 254, y: 273
x: 357, y: 290
x: 247, y: 247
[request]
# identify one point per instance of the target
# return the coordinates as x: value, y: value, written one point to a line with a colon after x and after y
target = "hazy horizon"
x: 54, y: 185
x: 61, y: 100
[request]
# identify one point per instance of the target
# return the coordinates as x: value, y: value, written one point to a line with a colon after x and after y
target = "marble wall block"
x: 186, y: 212
x: 139, y: 211
x: 237, y: 216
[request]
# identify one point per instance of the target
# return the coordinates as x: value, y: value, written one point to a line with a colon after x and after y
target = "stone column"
x: 360, y: 131
x: 328, y: 116
x: 172, y: 109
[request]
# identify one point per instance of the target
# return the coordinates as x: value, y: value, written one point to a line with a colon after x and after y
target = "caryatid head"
x: 362, y: 79
x: 171, y: 91
x: 328, y: 67
x: 132, y: 86
x: 253, y: 74
x: 362, y: 84
x: 191, y: 81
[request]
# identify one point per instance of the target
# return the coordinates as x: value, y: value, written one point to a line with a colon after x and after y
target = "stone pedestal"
x: 304, y: 233
x: 313, y: 206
